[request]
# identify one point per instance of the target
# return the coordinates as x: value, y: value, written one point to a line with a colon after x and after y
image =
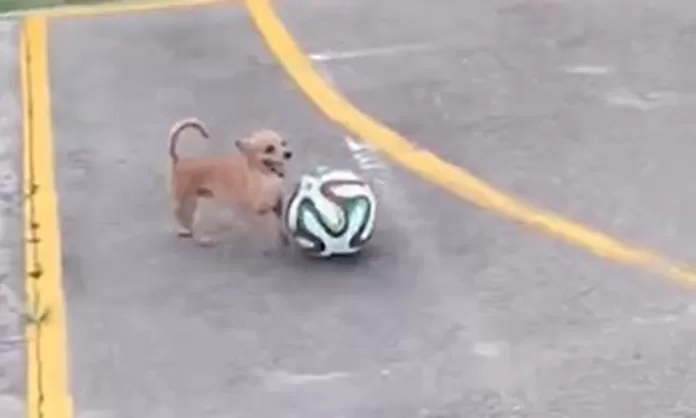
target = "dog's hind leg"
x: 185, y: 213
x: 188, y: 214
x: 201, y: 224
x: 271, y: 218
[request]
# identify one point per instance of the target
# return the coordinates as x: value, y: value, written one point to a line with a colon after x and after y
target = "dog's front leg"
x: 273, y: 231
x: 280, y: 226
x: 271, y: 223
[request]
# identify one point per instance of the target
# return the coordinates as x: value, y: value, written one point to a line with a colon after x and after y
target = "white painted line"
x: 596, y: 70
x: 489, y: 349
x: 354, y: 145
x: 649, y: 101
x: 624, y: 98
x: 281, y: 379
x: 656, y: 320
x: 383, y: 51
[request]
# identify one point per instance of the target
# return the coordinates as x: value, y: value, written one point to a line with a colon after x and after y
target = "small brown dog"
x: 251, y: 182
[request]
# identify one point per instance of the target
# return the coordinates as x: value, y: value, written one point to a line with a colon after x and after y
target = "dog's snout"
x: 287, y: 155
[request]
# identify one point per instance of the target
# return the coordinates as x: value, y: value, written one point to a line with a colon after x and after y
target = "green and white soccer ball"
x: 331, y: 212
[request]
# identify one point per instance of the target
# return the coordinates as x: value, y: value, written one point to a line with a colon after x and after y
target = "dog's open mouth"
x: 274, y: 167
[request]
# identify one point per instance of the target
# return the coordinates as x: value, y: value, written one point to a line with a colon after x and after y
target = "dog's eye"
x: 270, y: 149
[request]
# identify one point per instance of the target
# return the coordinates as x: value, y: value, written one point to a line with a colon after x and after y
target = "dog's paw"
x: 276, y: 247
x: 284, y: 239
x: 205, y: 241
x: 184, y: 233
x: 273, y: 250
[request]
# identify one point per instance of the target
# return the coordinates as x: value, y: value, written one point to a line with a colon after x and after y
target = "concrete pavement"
x: 12, y: 347
x: 453, y: 311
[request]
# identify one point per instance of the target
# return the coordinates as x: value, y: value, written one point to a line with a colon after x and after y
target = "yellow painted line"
x: 48, y: 394
x: 425, y: 164
x: 118, y: 7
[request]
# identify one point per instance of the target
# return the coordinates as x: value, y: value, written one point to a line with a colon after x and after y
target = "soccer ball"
x: 331, y: 212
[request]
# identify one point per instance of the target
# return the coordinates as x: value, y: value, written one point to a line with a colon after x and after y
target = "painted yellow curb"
x: 48, y: 395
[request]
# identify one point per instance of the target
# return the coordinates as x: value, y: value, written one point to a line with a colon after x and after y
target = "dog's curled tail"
x: 178, y: 128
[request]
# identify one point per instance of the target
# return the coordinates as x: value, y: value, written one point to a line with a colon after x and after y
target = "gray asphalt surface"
x: 12, y: 348
x: 451, y: 312
x: 499, y: 92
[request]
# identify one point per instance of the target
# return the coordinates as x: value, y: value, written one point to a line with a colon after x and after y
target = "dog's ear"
x: 242, y: 145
